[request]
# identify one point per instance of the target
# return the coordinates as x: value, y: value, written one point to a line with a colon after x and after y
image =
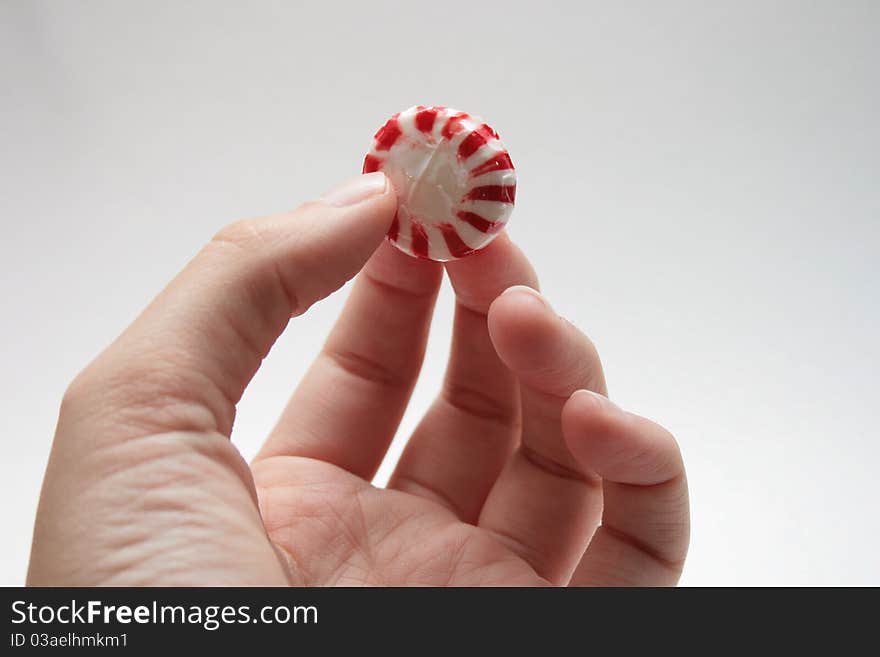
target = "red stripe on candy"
x: 453, y: 125
x: 387, y: 135
x: 457, y: 248
x: 372, y: 163
x: 419, y: 240
x: 487, y: 131
x: 425, y: 119
x: 471, y: 144
x: 479, y: 222
x: 395, y: 229
x: 497, y: 193
x: 498, y: 163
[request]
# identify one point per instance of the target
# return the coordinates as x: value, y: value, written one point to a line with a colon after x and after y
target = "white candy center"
x: 430, y: 181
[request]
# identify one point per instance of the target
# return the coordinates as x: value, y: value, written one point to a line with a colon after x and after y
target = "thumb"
x: 199, y: 343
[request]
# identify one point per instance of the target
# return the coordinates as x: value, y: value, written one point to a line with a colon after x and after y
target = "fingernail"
x: 357, y: 189
x: 532, y: 293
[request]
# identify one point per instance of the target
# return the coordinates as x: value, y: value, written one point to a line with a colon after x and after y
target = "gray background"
x: 698, y: 191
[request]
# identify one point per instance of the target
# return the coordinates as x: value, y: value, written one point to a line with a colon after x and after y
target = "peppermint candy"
x: 455, y: 182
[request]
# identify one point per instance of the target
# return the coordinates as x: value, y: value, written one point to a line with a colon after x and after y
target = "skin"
x: 521, y: 472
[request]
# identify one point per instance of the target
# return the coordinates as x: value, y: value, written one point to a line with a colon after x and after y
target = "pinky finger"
x: 645, y: 527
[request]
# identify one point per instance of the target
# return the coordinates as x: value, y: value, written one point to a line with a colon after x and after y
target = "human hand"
x: 502, y: 482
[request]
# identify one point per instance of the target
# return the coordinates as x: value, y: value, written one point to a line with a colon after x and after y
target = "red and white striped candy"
x: 455, y: 182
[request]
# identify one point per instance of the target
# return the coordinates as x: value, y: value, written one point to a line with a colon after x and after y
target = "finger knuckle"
x: 591, y: 358
x: 240, y: 235
x: 79, y: 392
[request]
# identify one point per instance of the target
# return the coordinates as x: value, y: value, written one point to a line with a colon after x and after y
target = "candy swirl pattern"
x: 455, y: 181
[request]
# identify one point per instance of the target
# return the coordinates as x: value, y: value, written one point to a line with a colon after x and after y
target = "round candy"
x: 455, y: 182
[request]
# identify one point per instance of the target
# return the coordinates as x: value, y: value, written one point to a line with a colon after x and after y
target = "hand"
x: 502, y: 482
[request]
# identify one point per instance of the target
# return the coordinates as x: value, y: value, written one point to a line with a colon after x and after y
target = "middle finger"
x: 457, y: 451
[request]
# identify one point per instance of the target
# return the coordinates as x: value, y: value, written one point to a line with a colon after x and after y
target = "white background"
x: 698, y: 191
